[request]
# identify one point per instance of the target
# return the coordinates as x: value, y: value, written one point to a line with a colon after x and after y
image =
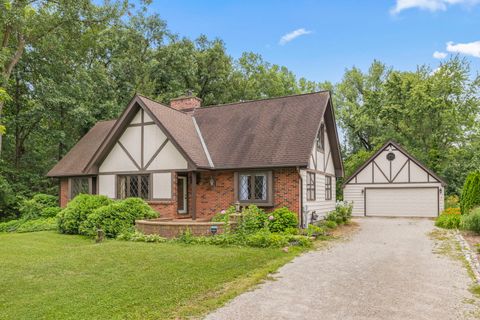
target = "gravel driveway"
x: 388, y: 270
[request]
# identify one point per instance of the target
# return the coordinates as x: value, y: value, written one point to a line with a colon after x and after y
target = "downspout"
x: 301, y: 197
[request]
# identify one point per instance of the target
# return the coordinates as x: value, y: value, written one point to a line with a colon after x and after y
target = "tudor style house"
x: 191, y: 161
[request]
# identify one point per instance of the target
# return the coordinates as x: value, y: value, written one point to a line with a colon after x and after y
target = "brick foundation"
x: 172, y: 229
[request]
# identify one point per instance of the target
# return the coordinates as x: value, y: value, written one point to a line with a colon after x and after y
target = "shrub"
x: 42, y: 224
x: 471, y: 192
x: 77, y: 210
x: 224, y: 215
x: 448, y: 221
x: 264, y: 239
x: 334, y: 217
x: 116, y: 218
x: 471, y: 221
x: 344, y: 211
x: 452, y: 201
x: 253, y: 219
x: 283, y: 219
x: 40, y: 206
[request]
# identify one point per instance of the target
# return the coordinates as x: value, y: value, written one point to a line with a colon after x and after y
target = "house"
x: 393, y: 183
x: 191, y: 161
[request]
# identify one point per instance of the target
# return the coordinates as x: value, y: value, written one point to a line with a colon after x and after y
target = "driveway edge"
x: 469, y: 255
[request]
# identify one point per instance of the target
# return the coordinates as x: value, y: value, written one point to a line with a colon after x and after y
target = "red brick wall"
x: 211, y: 200
x: 185, y: 103
x: 63, y: 194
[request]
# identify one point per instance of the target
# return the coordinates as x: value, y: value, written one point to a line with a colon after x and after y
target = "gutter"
x: 204, y: 146
x: 301, y: 197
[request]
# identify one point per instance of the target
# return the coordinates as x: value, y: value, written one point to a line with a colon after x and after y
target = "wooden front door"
x: 182, y: 195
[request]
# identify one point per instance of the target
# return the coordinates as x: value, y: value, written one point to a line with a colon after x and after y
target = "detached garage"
x: 392, y: 183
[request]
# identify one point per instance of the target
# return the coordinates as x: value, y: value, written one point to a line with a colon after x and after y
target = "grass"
x: 46, y: 275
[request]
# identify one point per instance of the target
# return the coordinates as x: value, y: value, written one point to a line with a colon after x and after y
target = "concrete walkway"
x: 388, y: 270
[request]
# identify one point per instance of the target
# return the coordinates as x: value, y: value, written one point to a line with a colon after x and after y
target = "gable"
x: 392, y: 164
x: 142, y: 146
x: 322, y: 160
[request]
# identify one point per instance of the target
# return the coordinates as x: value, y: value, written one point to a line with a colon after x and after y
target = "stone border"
x: 469, y: 255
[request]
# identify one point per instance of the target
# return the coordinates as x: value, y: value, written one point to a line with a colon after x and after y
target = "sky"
x: 318, y: 40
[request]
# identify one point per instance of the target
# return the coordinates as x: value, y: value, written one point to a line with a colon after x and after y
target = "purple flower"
x: 271, y: 218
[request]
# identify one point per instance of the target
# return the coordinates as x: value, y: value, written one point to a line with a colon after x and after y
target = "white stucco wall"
x: 126, y: 158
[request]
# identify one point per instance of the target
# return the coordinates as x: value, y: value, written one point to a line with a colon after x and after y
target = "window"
x: 253, y: 187
x: 328, y: 188
x: 321, y: 138
x: 310, y: 186
x: 79, y: 185
x: 134, y: 186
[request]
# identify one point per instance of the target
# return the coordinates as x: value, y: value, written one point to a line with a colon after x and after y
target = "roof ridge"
x: 263, y: 99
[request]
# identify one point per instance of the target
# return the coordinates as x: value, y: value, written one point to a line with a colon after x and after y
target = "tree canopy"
x: 64, y: 65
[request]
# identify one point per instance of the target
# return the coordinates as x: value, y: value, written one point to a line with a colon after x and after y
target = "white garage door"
x: 402, y: 202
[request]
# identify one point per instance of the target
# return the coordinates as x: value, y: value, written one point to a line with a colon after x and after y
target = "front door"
x: 182, y: 195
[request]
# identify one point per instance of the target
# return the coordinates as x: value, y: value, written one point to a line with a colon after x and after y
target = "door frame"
x: 185, y: 194
x: 367, y: 188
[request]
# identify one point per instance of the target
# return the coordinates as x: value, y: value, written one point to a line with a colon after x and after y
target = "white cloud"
x: 439, y: 55
x: 469, y: 49
x: 286, y: 38
x: 430, y: 5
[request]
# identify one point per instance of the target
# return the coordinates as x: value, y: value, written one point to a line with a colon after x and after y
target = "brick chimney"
x: 186, y: 103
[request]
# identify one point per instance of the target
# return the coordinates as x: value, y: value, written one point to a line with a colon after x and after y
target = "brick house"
x: 191, y: 161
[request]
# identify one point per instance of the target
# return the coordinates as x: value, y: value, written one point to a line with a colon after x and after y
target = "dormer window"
x: 321, y: 138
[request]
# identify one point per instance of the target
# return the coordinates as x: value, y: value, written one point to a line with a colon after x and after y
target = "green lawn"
x: 45, y: 275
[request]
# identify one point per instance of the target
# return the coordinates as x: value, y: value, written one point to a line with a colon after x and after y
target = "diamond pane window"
x: 134, y: 186
x: 253, y: 187
x: 79, y: 185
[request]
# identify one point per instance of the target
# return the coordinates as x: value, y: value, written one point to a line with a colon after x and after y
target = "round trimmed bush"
x: 117, y: 218
x: 470, y: 197
x: 283, y: 219
x: 77, y: 210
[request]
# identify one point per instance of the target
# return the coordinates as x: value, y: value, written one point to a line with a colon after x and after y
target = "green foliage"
x: 224, y: 215
x: 264, y: 239
x: 452, y: 201
x: 253, y: 219
x: 448, y: 221
x: 10, y: 226
x: 471, y: 192
x: 343, y: 210
x: 41, y: 205
x: 471, y: 221
x: 283, y: 219
x: 77, y: 211
x: 117, y: 218
x: 330, y: 224
x: 8, y: 200
x: 22, y: 225
x: 315, y: 230
x: 137, y: 236
x: 432, y: 114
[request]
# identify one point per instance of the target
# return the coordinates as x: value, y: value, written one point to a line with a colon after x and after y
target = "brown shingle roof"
x: 263, y: 133
x: 275, y: 132
x: 75, y: 161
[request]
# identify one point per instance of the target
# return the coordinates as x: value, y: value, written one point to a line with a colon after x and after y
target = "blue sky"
x: 323, y: 38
